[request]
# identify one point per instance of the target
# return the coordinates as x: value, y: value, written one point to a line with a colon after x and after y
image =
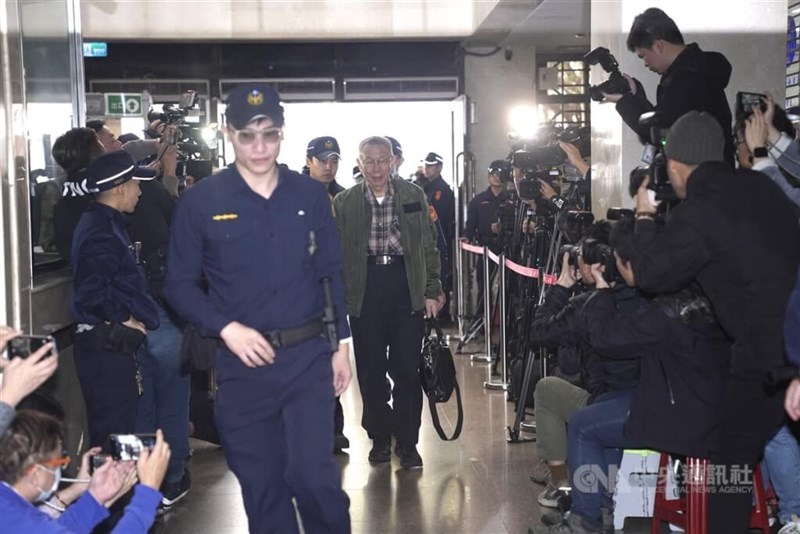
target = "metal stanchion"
x: 462, y: 294
x: 503, y: 384
x: 487, y: 311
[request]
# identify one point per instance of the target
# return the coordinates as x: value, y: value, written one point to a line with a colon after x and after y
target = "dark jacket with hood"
x: 557, y: 324
x: 67, y: 212
x: 696, y: 80
x: 737, y: 235
x: 685, y: 358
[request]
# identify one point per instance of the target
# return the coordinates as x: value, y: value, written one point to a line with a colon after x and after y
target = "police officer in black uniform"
x: 483, y: 224
x: 264, y: 237
x: 322, y: 160
x: 111, y: 304
x: 442, y: 200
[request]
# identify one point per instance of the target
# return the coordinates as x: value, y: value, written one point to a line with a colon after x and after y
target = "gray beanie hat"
x: 695, y: 138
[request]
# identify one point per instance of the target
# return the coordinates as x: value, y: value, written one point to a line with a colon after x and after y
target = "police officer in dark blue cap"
x: 322, y: 159
x: 441, y: 198
x: 264, y: 237
x: 483, y: 223
x: 111, y: 302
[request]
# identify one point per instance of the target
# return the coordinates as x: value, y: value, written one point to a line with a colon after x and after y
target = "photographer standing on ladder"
x: 690, y: 78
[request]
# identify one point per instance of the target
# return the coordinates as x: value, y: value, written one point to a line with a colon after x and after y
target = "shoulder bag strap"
x: 435, y: 416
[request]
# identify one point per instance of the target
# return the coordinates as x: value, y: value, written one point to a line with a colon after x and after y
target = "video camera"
x: 192, y: 144
x: 616, y: 83
x: 656, y: 161
x: 539, y: 158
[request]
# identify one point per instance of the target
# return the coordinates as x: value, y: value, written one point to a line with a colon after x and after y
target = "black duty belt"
x: 294, y: 336
x: 391, y: 259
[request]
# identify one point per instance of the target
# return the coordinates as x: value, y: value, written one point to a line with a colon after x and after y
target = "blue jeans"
x: 782, y: 466
x: 595, y: 443
x: 165, y: 401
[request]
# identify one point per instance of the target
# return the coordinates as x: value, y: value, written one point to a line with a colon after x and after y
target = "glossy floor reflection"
x: 477, y: 484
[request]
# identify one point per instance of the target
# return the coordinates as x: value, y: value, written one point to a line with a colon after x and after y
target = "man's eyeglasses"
x: 248, y: 137
x: 380, y: 162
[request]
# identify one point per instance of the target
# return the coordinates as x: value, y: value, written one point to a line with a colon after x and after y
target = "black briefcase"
x: 438, y: 376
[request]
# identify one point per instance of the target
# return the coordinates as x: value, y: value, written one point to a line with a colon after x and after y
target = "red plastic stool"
x: 690, y: 511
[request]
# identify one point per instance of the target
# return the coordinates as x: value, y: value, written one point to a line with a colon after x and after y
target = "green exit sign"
x: 123, y: 104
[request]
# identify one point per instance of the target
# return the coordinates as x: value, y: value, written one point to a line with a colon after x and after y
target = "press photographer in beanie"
x: 735, y: 233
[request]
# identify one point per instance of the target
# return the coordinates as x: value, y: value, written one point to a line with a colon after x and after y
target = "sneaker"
x: 574, y: 524
x: 175, y: 491
x: 541, y: 473
x: 381, y: 452
x: 792, y: 527
x: 340, y: 442
x: 550, y: 496
x: 409, y: 457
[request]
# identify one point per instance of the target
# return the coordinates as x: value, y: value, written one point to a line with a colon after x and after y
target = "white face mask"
x: 45, y: 495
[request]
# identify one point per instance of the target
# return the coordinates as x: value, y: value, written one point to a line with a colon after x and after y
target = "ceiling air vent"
x: 439, y: 88
x: 290, y: 89
x: 160, y: 90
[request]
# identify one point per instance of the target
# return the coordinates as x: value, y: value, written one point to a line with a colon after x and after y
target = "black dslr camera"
x: 616, y: 83
x: 573, y: 250
x: 656, y: 161
x: 594, y: 251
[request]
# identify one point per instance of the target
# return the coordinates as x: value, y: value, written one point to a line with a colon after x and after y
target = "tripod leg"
x: 513, y: 431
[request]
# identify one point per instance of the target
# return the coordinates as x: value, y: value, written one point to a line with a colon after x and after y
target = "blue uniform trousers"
x: 108, y: 383
x: 277, y: 433
x: 165, y: 400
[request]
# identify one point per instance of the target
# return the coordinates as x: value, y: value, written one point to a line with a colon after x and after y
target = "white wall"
x: 752, y: 35
x: 495, y: 86
x: 270, y: 19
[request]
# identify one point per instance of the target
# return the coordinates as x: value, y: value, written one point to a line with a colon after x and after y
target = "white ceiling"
x: 549, y: 25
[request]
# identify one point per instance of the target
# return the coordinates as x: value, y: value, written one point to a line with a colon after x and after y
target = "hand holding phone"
x: 24, y: 346
x: 23, y: 375
x: 128, y: 447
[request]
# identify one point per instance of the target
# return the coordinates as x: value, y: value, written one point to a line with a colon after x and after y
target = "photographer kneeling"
x: 31, y: 459
x: 556, y: 326
x: 684, y: 357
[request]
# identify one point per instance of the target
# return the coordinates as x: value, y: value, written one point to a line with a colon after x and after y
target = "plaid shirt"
x: 384, y: 235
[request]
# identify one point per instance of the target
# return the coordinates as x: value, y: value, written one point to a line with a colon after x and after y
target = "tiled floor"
x: 477, y: 484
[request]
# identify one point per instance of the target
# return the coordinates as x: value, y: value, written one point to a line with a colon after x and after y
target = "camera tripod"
x: 548, y: 235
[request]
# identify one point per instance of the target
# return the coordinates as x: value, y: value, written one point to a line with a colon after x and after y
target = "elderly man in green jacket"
x: 391, y: 276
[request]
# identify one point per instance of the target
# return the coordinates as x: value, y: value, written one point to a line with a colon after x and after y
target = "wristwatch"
x: 760, y: 152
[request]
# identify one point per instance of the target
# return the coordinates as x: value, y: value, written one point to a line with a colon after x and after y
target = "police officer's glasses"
x: 268, y: 136
x: 380, y: 162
